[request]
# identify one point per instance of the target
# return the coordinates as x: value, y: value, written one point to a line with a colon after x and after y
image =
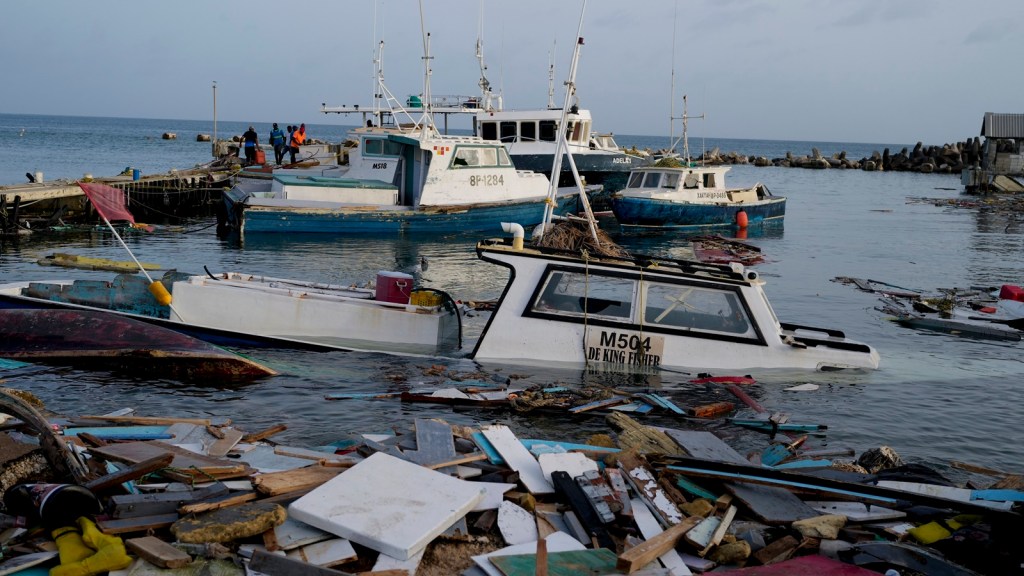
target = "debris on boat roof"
x: 436, y: 498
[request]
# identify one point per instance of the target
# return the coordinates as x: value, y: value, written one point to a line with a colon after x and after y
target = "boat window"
x: 691, y: 180
x: 466, y: 157
x: 489, y: 130
x: 528, y: 131
x: 696, y: 308
x: 671, y: 180
x: 548, y: 130
x: 636, y: 180
x: 652, y: 179
x: 373, y: 147
x: 508, y: 131
x: 503, y: 159
x: 709, y: 180
x: 488, y: 156
x: 574, y: 294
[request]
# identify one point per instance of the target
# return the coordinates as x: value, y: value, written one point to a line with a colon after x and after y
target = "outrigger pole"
x: 563, y: 145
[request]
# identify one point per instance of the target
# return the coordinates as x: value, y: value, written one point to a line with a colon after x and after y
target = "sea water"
x: 937, y: 397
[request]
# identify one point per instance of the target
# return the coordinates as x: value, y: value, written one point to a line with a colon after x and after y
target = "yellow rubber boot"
x: 109, y: 553
x: 70, y: 545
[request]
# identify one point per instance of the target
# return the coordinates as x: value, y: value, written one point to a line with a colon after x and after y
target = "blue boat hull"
x: 475, y: 218
x: 649, y: 213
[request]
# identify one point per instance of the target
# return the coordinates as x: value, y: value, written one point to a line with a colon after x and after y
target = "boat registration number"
x: 624, y: 347
x: 487, y: 180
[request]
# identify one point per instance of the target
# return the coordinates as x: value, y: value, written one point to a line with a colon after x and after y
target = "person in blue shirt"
x: 277, y: 140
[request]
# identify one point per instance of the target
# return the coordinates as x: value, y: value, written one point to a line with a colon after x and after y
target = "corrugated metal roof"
x: 1003, y: 125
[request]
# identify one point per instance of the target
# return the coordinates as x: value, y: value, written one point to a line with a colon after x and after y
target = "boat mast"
x: 487, y: 99
x: 563, y: 145
x: 551, y: 76
x: 427, y: 122
x: 672, y: 90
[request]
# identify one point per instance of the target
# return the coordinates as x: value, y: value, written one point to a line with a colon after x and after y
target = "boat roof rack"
x: 694, y: 267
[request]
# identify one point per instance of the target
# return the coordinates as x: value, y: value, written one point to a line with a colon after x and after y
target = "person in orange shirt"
x: 297, y: 138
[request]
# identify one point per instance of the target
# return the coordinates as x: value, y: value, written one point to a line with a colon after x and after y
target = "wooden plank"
x: 156, y: 551
x: 573, y: 463
x: 771, y: 505
x: 607, y: 402
x: 487, y: 448
x: 855, y: 511
x: 434, y: 445
x: 140, y: 524
x: 649, y: 528
x: 639, y: 556
x: 132, y: 472
x: 716, y: 538
x: 188, y: 465
x: 702, y: 533
x: 572, y: 563
x: 224, y: 445
x: 327, y: 553
x: 705, y: 446
x: 419, y: 504
x: 275, y: 483
x: 135, y: 505
x: 218, y: 502
x: 557, y: 542
x: 271, y: 564
x: 516, y: 524
x: 149, y: 420
x: 593, y: 529
x: 264, y: 434
x: 518, y: 458
x: 315, y: 455
x: 646, y: 485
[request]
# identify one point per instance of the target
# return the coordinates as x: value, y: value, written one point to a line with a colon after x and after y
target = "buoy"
x: 163, y: 297
x: 741, y: 219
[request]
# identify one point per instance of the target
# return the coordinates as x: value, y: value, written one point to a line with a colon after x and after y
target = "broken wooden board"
x: 516, y: 524
x: 434, y: 445
x: 292, y: 534
x: 275, y: 483
x: 646, y: 485
x: 221, y: 446
x: 571, y: 563
x: 518, y: 458
x: 270, y: 564
x: 649, y: 528
x: 135, y: 505
x: 855, y: 511
x: 156, y: 551
x: 20, y: 563
x: 264, y: 459
x: 771, y: 505
x: 557, y: 542
x: 705, y: 446
x: 188, y: 466
x: 387, y: 565
x: 140, y: 524
x: 946, y: 492
x: 590, y: 527
x: 494, y: 495
x: 388, y: 504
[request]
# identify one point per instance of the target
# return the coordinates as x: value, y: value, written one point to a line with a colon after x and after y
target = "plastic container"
x: 425, y: 298
x: 1011, y: 292
x: 56, y: 504
x: 38, y: 177
x: 136, y: 174
x: 394, y: 287
x: 261, y: 157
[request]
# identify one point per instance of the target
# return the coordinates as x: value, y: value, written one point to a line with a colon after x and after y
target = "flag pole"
x: 156, y: 288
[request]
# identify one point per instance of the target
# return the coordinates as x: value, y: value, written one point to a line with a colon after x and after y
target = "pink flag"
x: 109, y: 201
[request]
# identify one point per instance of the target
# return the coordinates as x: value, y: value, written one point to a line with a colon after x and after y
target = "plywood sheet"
x: 518, y: 458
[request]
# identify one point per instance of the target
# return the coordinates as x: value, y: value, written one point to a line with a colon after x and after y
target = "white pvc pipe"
x: 517, y: 233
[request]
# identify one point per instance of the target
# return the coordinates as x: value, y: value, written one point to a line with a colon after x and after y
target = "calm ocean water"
x: 936, y: 398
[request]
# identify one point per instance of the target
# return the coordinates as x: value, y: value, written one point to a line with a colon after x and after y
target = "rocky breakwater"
x: 945, y: 159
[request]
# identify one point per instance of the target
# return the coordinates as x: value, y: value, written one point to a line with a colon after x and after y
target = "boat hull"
x: 657, y: 213
x: 607, y: 169
x: 273, y: 217
x: 88, y: 339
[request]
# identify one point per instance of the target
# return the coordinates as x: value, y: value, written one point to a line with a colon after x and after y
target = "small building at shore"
x: 1001, y: 156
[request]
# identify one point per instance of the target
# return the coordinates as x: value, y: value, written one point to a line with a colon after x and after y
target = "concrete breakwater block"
x: 388, y: 504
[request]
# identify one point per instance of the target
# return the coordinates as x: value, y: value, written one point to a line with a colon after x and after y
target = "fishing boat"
x: 689, y: 196
x: 248, y: 310
x: 646, y: 313
x: 92, y: 339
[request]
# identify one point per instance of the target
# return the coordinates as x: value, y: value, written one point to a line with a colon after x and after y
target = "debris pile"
x: 146, y: 495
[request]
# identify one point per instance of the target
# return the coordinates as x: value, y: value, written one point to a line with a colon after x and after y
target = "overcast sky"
x: 875, y: 71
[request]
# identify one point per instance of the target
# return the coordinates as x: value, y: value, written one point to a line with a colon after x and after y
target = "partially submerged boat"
x: 639, y: 312
x: 692, y: 196
x: 91, y: 339
x: 247, y: 310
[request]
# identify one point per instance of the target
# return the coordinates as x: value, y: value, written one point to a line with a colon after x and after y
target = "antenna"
x: 563, y: 145
x: 428, y: 119
x: 551, y: 76
x: 485, y: 85
x: 672, y: 95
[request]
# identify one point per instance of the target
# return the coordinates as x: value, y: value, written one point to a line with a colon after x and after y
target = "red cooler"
x: 394, y: 287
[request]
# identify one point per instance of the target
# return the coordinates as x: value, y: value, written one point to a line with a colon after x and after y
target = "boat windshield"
x: 478, y: 156
x: 577, y: 294
x: 696, y: 308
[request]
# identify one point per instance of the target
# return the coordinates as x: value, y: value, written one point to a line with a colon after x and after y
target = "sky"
x: 872, y: 71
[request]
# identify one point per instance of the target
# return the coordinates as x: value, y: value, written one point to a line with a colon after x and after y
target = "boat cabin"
x: 512, y: 126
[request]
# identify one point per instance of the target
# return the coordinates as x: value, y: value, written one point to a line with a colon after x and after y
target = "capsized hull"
x: 268, y: 217
x: 89, y: 339
x: 658, y: 213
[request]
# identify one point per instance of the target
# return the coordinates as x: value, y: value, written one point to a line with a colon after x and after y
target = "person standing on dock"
x: 251, y: 141
x: 277, y: 140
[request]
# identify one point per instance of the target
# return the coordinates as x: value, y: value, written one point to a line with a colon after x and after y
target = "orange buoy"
x: 741, y: 219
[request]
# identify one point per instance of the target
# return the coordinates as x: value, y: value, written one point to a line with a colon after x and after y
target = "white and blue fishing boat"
x: 439, y: 184
x: 694, y: 197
